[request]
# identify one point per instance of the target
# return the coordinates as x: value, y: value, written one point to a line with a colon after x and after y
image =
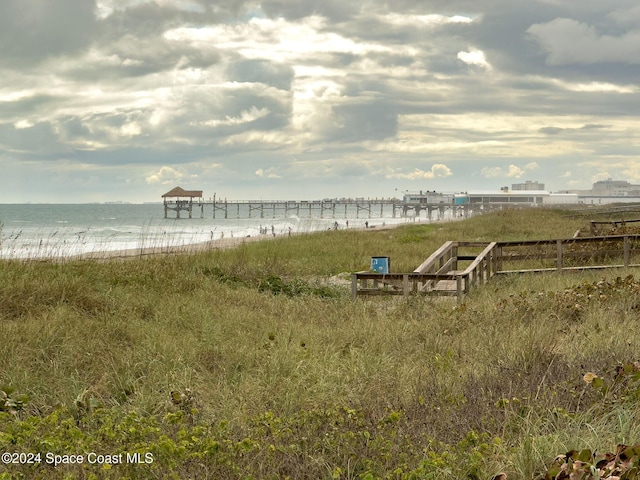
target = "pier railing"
x: 450, y: 272
x: 331, y: 208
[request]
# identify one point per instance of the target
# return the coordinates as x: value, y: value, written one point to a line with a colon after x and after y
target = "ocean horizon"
x: 49, y: 230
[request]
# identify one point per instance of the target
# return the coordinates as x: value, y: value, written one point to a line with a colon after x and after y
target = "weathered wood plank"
x: 439, y: 274
x: 434, y: 257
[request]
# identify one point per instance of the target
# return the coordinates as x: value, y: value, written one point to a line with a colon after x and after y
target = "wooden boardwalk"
x: 450, y: 271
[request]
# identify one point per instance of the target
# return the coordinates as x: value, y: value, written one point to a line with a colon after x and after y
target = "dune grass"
x: 254, y: 362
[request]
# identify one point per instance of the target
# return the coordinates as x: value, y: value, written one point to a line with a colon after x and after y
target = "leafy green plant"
x: 12, y: 402
x: 623, y: 464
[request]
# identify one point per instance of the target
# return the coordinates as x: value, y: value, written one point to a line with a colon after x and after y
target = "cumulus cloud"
x: 512, y: 171
x: 602, y: 175
x: 474, y: 57
x: 568, y: 41
x: 438, y: 170
x: 268, y: 173
x: 167, y: 175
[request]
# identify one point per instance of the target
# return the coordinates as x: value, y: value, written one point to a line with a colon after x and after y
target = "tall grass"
x: 262, y: 344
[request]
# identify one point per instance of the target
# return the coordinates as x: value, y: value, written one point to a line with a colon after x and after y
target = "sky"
x: 110, y: 100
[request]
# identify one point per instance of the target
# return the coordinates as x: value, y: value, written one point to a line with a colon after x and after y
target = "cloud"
x: 327, y: 93
x: 246, y: 116
x: 437, y: 170
x: 568, y: 41
x: 474, y: 57
x: 32, y: 31
x: 602, y: 175
x: 261, y: 71
x: 632, y: 173
x: 559, y: 130
x: 273, y: 39
x: 268, y: 173
x: 551, y: 130
x: 404, y: 19
x: 168, y: 175
x: 512, y: 171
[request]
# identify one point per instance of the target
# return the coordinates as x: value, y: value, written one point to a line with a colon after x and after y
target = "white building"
x: 528, y: 185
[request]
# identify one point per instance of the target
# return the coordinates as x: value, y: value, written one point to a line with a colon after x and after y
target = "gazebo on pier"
x: 183, y: 200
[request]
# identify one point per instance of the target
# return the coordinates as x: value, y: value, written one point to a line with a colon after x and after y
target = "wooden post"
x: 405, y: 284
x: 559, y: 263
x: 460, y: 293
x: 354, y: 286
x: 454, y: 255
x: 627, y: 250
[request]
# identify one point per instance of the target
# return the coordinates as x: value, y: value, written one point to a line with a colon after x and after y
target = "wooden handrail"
x: 480, y: 258
x: 435, y: 256
x: 442, y: 265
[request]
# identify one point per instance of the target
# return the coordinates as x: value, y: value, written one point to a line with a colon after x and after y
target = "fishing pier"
x: 186, y: 202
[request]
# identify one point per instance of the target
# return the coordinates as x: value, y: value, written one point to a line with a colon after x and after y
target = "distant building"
x: 488, y: 197
x: 610, y: 191
x: 428, y: 197
x: 615, y: 188
x: 528, y: 185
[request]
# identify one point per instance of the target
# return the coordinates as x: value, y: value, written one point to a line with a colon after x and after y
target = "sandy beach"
x: 169, y: 249
x: 217, y: 244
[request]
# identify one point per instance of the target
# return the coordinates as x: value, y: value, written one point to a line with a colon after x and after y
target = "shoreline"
x: 203, y: 246
x: 129, y: 253
x: 199, y: 247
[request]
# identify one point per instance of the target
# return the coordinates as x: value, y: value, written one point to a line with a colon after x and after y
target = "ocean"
x: 65, y: 230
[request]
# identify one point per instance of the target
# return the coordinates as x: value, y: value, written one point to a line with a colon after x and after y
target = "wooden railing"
x: 442, y: 273
x: 438, y: 275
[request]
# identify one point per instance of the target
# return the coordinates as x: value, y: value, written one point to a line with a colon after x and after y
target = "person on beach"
x: 366, y: 224
x: 273, y: 230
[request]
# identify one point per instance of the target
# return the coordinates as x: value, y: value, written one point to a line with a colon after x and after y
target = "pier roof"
x: 181, y: 192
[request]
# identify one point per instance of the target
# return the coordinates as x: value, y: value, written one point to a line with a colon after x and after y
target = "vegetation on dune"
x: 254, y: 362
